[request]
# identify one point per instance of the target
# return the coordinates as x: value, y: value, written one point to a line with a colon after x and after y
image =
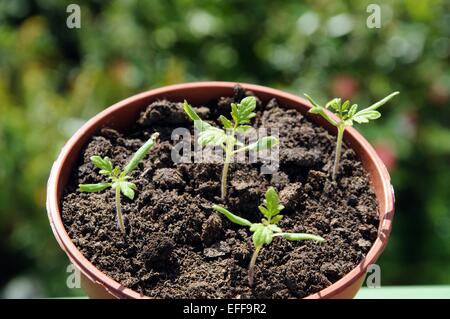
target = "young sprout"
x: 264, y: 232
x: 241, y: 115
x: 346, y: 115
x: 118, y: 180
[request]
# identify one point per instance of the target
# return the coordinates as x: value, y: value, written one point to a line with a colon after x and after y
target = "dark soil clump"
x: 177, y: 247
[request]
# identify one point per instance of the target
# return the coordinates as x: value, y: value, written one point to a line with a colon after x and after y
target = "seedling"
x: 241, y: 114
x: 346, y: 115
x: 264, y: 232
x: 118, y: 180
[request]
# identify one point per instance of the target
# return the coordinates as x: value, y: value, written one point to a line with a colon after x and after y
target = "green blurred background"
x: 52, y: 79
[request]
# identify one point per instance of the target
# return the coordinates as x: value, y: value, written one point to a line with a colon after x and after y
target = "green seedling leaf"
x: 276, y: 219
x: 212, y: 136
x: 97, y: 161
x: 242, y: 129
x: 190, y: 112
x: 127, y: 189
x: 364, y: 116
x: 93, y: 188
x: 262, y: 235
x: 243, y: 112
x: 225, y: 122
x: 199, y: 124
x: 248, y: 104
x: 300, y: 236
x: 383, y: 101
x: 255, y: 226
x: 352, y: 110
x: 345, y: 106
x: 264, y: 211
x: 234, y: 113
x: 335, y: 104
x: 102, y: 163
x: 140, y: 154
x: 266, y: 142
x: 116, y: 171
x: 233, y: 218
x: 272, y: 204
x: 274, y: 228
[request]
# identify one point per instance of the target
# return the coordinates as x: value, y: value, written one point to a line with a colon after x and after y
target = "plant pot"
x: 121, y: 115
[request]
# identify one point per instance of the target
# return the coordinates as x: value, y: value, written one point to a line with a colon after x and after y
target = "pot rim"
x: 118, y: 290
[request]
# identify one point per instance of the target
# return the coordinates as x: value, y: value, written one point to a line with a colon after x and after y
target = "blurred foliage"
x: 52, y: 79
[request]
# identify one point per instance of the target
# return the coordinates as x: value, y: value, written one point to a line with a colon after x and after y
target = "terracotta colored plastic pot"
x: 121, y: 115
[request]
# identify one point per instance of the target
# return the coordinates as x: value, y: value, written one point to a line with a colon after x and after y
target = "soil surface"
x: 177, y: 247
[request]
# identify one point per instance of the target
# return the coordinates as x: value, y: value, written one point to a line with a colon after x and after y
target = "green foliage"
x: 346, y: 114
x: 243, y: 112
x: 264, y: 232
x: 271, y: 206
x: 241, y: 115
x: 234, y: 218
x: 118, y: 180
x: 140, y: 154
